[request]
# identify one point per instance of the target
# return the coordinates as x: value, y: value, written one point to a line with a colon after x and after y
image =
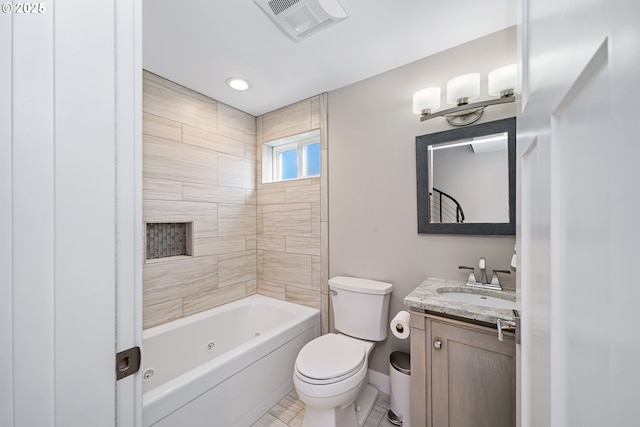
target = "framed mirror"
x: 466, y: 180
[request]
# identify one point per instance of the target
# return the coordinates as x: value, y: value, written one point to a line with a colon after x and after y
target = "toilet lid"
x: 331, y: 357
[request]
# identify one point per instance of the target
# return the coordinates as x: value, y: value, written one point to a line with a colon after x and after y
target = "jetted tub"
x: 226, y: 366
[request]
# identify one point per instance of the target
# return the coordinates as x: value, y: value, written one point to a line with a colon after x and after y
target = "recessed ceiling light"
x: 238, y: 84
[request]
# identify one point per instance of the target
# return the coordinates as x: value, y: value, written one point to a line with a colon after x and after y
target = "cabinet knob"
x: 437, y: 344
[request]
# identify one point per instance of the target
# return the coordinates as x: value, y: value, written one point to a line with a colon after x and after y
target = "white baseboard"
x: 380, y: 381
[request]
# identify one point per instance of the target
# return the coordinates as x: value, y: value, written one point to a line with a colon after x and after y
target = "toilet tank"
x: 360, y: 307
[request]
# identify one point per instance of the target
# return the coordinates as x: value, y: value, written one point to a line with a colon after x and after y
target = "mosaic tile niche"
x: 168, y: 239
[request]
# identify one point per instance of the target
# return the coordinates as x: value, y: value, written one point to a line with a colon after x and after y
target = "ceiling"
x: 201, y: 43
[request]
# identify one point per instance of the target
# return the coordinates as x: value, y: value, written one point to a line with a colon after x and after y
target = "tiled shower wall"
x: 292, y: 217
x: 200, y: 167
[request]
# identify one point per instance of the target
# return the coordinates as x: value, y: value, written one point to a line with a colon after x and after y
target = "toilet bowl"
x: 330, y: 374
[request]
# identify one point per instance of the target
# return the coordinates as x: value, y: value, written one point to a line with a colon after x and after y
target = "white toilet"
x: 330, y: 374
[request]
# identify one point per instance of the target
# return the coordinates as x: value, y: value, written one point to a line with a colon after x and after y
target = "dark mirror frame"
x: 422, y: 174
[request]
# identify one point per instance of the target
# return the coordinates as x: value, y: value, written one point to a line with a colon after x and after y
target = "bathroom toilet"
x: 330, y: 374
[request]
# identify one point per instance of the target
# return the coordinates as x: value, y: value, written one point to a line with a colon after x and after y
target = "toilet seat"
x: 329, y: 359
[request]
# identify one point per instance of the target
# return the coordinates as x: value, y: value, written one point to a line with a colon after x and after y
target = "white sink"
x: 482, y: 300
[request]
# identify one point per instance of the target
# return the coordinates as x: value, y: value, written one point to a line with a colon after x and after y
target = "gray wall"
x: 372, y: 179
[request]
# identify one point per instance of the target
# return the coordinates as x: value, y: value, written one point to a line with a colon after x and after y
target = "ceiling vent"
x: 298, y: 19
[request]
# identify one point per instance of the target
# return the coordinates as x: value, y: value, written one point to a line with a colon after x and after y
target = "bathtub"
x: 226, y: 366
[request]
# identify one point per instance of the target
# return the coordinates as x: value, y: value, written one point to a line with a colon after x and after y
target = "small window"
x: 293, y: 157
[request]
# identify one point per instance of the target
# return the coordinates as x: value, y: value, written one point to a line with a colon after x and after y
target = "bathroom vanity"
x: 462, y: 374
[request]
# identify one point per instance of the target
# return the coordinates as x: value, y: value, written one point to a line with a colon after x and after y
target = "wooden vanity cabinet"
x: 461, y: 375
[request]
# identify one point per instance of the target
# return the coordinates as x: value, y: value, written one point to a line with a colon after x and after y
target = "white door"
x: 69, y: 211
x: 579, y: 201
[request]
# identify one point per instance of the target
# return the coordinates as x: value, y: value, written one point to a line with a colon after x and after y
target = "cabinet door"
x: 473, y: 378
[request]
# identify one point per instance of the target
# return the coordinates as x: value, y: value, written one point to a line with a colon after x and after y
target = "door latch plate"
x: 127, y: 362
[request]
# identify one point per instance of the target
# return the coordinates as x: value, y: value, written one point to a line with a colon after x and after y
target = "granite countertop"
x: 426, y: 297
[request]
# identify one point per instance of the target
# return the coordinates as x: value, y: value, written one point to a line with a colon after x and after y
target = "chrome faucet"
x: 483, y: 282
x: 472, y: 276
x: 494, y: 278
x: 483, y: 271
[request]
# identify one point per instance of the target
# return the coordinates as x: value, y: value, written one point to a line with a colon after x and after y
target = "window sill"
x: 292, y: 180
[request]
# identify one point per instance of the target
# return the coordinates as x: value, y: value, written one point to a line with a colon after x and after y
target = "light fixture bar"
x: 468, y: 107
x: 460, y: 90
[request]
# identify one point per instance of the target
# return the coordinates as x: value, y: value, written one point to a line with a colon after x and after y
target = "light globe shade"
x: 501, y: 79
x: 465, y: 86
x: 426, y: 99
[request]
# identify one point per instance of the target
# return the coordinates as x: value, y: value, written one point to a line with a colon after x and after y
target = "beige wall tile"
x: 252, y: 242
x: 303, y: 245
x: 172, y: 101
x: 161, y: 127
x: 324, y: 186
x: 306, y: 297
x: 185, y: 133
x: 268, y: 196
x: 296, y: 217
x: 251, y: 151
x: 207, y: 300
x: 161, y: 189
x: 303, y: 194
x: 290, y: 219
x: 316, y: 275
x: 259, y: 222
x: 152, y: 296
x: 287, y: 121
x: 175, y: 161
x: 235, y: 171
x: 259, y: 139
x: 315, y: 219
x: 271, y: 289
x: 289, y: 269
x: 259, y: 184
x: 251, y: 197
x: 208, y: 154
x: 212, y: 141
x: 291, y: 183
x: 236, y: 267
x: 252, y: 287
x: 212, y: 193
x: 158, y: 314
x: 272, y: 243
x: 260, y: 264
x: 324, y: 131
x: 218, y: 245
x: 178, y: 278
x: 315, y: 112
x: 203, y: 215
x: 236, y: 219
x: 236, y: 124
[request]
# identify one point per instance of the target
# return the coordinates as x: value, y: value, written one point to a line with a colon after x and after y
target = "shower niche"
x: 168, y: 240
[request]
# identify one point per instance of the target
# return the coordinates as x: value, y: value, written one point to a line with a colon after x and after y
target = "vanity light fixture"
x: 426, y: 100
x: 238, y: 83
x: 461, y: 90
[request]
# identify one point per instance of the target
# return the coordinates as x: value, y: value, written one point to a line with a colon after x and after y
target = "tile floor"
x: 290, y: 411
